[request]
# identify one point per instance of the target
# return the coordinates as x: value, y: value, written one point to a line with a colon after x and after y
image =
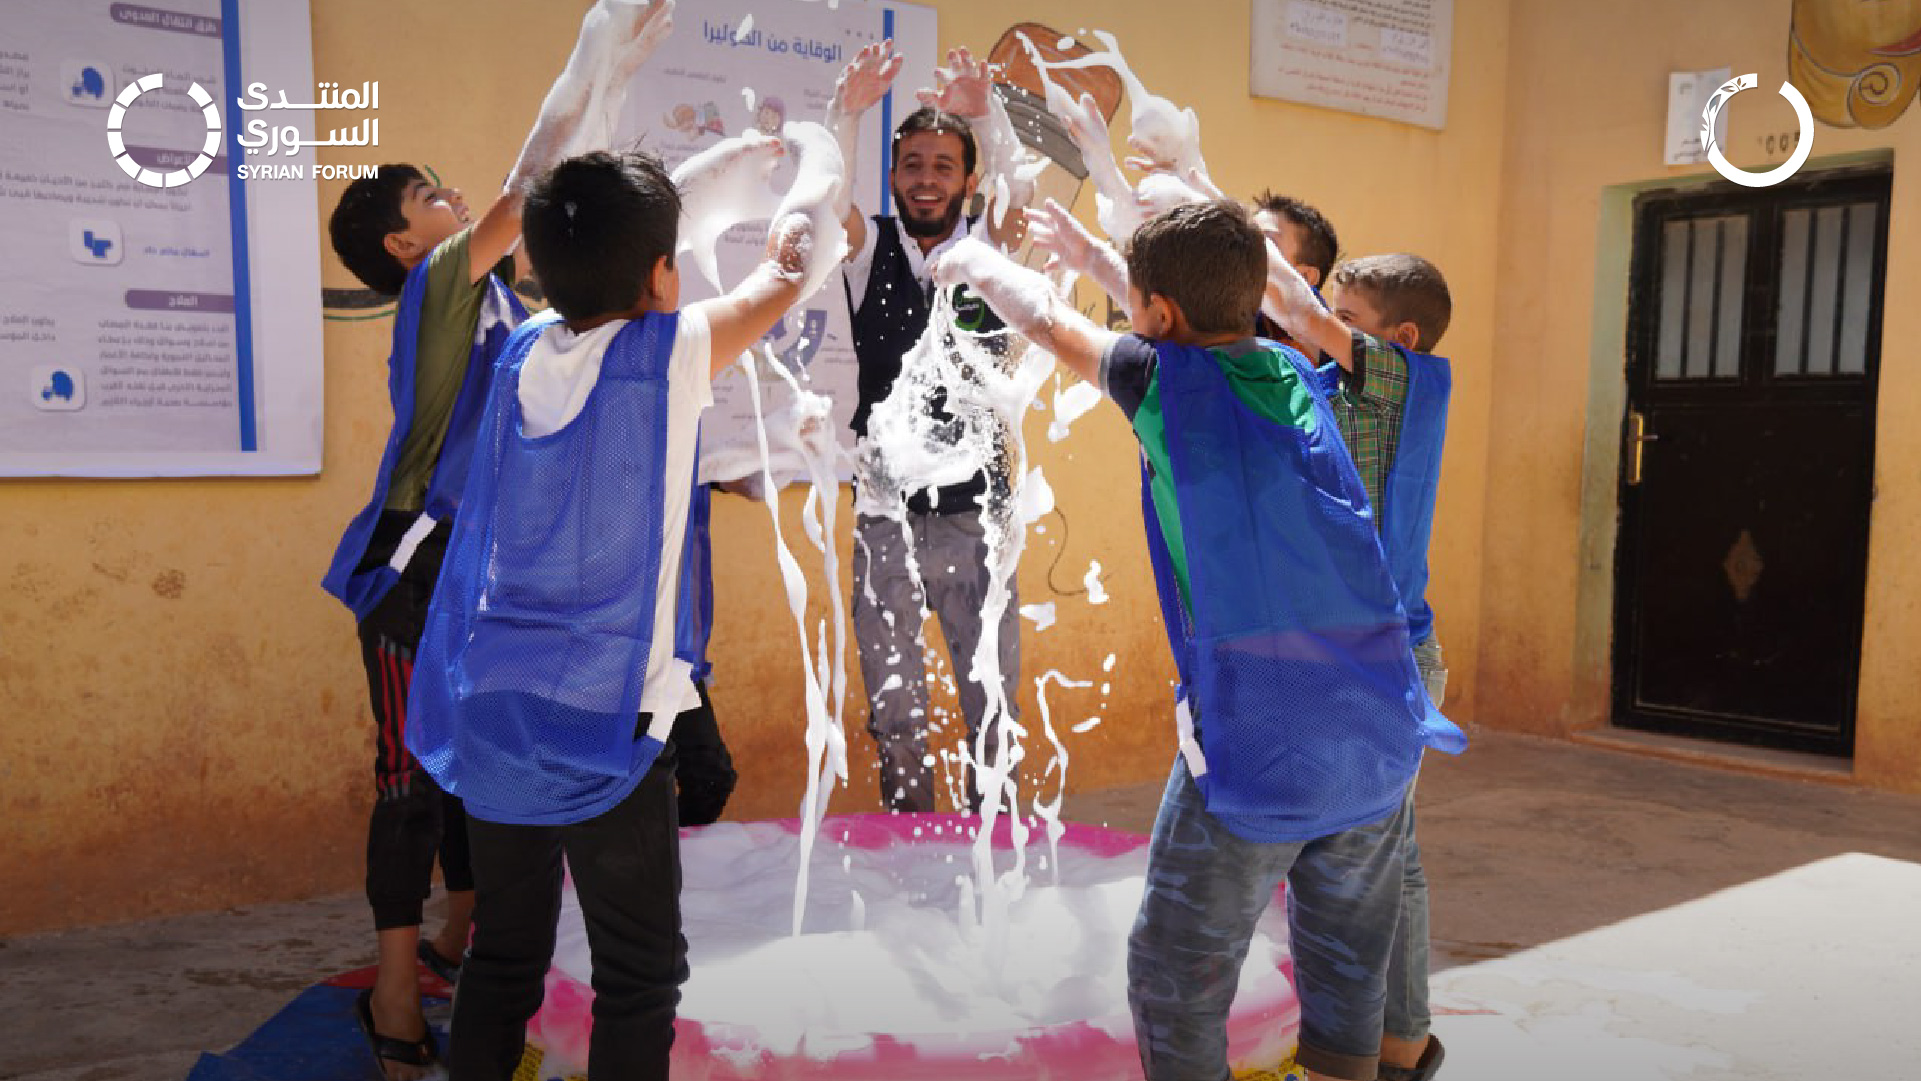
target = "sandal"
x: 1424, y: 1070
x: 424, y: 1052
x: 436, y: 964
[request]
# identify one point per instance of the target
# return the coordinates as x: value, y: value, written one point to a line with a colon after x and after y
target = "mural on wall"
x: 1858, y: 62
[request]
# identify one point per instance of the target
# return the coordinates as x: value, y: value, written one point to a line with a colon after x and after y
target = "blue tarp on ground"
x: 312, y: 1038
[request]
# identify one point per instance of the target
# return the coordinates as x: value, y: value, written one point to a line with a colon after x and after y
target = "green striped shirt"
x: 1370, y: 409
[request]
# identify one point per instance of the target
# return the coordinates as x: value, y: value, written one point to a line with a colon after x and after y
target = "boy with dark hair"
x: 408, y: 238
x: 1300, y: 719
x: 1304, y: 235
x: 890, y: 299
x: 1305, y: 238
x: 554, y: 662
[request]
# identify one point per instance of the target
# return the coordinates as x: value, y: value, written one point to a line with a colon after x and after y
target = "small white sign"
x: 1688, y: 94
x: 1317, y: 23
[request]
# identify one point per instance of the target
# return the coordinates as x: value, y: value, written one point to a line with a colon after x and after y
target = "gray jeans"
x: 951, y: 556
x: 1406, y: 1016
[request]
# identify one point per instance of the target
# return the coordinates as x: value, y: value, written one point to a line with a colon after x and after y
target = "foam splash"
x: 1096, y: 593
x: 1042, y: 615
x: 1071, y: 405
x: 826, y: 675
x: 988, y: 388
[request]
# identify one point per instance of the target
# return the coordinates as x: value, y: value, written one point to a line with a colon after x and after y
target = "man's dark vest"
x: 887, y: 322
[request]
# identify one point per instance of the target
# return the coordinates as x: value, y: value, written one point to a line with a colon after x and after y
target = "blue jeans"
x: 1407, y: 1015
x: 1206, y: 888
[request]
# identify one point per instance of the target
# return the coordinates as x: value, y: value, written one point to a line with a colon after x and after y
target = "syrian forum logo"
x: 256, y: 138
x: 1802, y: 146
x: 176, y: 177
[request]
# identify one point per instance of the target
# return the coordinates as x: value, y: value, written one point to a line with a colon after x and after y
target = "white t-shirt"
x: 860, y: 266
x: 555, y: 379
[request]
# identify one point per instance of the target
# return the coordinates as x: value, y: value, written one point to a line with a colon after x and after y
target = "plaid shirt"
x: 1370, y: 410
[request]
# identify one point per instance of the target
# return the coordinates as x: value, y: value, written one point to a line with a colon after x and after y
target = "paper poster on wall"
x: 1688, y: 94
x: 139, y: 335
x: 1384, y: 58
x: 732, y: 65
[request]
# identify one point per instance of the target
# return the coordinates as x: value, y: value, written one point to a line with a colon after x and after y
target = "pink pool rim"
x: 1261, y: 1031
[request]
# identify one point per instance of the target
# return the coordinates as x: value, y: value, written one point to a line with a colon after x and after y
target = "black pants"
x: 412, y: 820
x: 626, y: 870
x: 705, y: 768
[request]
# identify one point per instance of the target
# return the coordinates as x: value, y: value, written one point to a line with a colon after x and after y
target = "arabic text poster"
x: 1384, y: 58
x: 136, y: 338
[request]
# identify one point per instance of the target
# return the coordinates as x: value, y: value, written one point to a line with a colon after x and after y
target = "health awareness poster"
x: 139, y: 336
x: 732, y: 65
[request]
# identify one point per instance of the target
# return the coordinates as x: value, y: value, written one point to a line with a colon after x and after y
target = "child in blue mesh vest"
x: 1301, y: 716
x: 554, y: 661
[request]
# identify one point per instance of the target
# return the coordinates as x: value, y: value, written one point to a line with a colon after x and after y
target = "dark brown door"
x: 1748, y: 463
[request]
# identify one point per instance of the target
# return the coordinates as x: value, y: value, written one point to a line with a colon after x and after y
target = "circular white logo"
x: 128, y: 95
x: 1802, y: 146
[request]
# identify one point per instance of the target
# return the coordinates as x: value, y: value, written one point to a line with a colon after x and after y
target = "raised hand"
x: 865, y: 80
x: 965, y: 87
x: 1067, y: 243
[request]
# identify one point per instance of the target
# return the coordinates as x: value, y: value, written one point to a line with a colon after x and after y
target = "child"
x: 1392, y: 408
x: 1304, y: 237
x: 1300, y: 719
x: 551, y: 674
x: 404, y: 237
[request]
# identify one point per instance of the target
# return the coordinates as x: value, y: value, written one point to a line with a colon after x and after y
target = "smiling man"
x: 890, y: 298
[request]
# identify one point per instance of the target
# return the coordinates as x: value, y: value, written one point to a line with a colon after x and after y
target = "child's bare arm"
x: 1068, y: 244
x: 615, y: 39
x: 803, y: 246
x: 1025, y: 300
x: 1291, y: 302
x: 863, y: 82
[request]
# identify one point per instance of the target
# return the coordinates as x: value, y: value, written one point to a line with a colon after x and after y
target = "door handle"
x: 1638, y: 438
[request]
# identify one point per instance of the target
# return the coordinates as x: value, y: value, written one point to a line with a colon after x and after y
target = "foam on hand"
x: 720, y: 187
x: 820, y: 174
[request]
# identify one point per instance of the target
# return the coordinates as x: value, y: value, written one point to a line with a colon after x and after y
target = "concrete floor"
x: 1597, y: 914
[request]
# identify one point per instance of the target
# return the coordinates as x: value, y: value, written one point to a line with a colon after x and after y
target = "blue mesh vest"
x: 1293, y: 650
x: 888, y: 321
x: 1413, y: 481
x: 694, y: 611
x: 526, y: 693
x: 361, y: 589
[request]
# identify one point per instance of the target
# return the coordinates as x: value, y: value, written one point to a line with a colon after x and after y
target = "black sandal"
x: 1424, y: 1070
x: 423, y: 1052
x: 436, y: 964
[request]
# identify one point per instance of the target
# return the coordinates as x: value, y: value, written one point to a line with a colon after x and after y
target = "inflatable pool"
x: 893, y: 977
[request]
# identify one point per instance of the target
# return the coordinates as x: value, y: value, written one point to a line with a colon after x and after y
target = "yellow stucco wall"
x: 1586, y: 115
x: 186, y: 722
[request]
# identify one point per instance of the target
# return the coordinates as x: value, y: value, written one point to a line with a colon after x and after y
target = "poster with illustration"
x: 138, y: 335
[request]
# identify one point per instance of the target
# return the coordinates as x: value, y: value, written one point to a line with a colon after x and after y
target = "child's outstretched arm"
x: 615, y: 39
x: 1026, y: 301
x: 1069, y: 245
x: 1291, y: 302
x: 965, y: 87
x: 803, y: 246
x: 862, y: 83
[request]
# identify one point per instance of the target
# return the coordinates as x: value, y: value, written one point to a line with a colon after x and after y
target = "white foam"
x: 1096, y: 593
x: 1042, y: 615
